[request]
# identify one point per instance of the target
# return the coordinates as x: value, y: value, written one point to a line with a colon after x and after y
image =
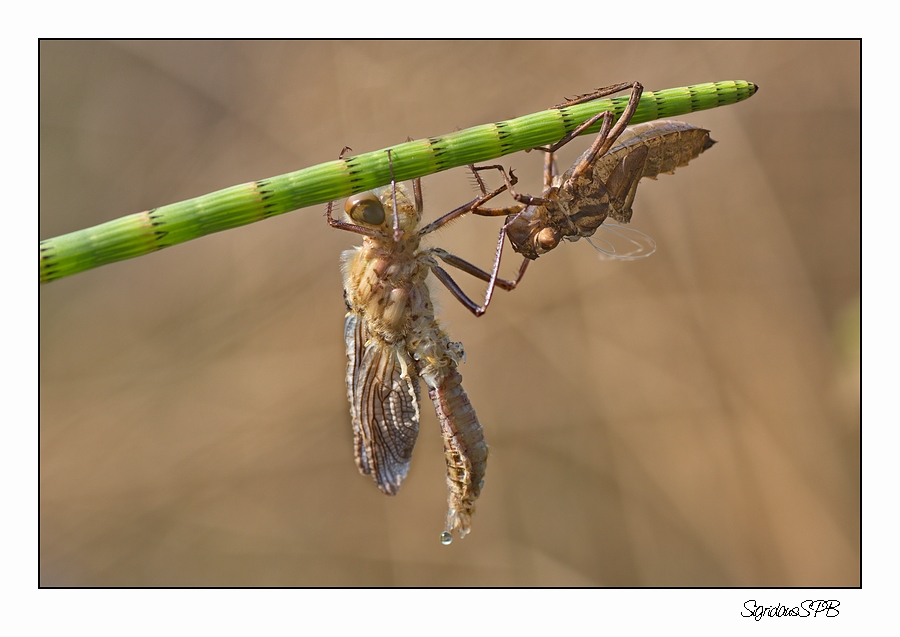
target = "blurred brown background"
x: 688, y: 419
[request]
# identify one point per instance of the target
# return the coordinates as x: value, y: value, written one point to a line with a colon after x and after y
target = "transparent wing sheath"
x: 619, y: 242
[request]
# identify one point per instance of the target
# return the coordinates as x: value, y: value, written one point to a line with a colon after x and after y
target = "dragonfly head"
x: 530, y: 234
x: 375, y: 209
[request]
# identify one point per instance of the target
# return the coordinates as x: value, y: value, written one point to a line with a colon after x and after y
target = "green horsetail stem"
x: 146, y: 232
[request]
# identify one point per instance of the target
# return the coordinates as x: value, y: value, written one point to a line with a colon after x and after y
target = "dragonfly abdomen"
x: 675, y: 148
x: 465, y: 451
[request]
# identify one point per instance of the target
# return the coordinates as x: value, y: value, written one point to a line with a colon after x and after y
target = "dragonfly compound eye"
x: 365, y: 208
x: 546, y: 239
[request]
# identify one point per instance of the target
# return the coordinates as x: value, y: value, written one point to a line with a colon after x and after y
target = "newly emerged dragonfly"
x: 393, y: 339
x: 601, y: 184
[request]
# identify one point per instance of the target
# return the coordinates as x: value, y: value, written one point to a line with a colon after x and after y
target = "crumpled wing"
x: 383, y: 389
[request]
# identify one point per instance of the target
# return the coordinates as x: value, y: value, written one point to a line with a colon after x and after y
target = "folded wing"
x: 383, y: 388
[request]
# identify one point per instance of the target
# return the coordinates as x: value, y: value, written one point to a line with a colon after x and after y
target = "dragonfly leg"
x: 398, y: 233
x: 492, y: 212
x: 349, y: 227
x: 510, y: 180
x: 608, y: 136
x: 499, y: 212
x: 550, y: 171
x: 417, y: 188
x: 478, y: 180
x: 606, y: 116
x: 417, y: 194
x: 492, y: 279
x: 472, y: 206
x: 595, y: 95
x: 474, y: 270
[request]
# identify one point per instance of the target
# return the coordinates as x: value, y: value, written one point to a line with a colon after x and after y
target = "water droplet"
x: 446, y: 538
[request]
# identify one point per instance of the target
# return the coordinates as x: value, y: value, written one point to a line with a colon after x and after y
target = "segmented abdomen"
x: 465, y: 451
x: 646, y: 150
x: 670, y: 145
